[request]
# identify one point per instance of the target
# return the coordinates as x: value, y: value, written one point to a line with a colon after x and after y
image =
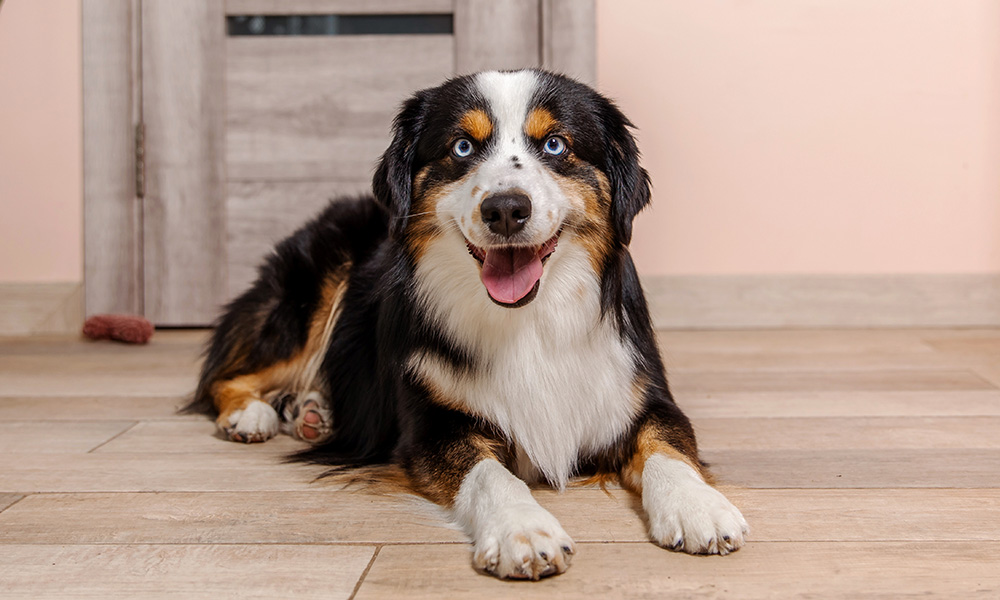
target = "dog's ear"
x: 629, y: 182
x: 392, y: 183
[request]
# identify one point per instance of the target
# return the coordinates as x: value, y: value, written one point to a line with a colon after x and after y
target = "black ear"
x: 629, y: 182
x: 393, y: 180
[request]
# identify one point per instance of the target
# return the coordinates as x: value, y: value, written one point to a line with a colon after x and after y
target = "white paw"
x: 685, y: 513
x: 522, y: 541
x: 258, y: 422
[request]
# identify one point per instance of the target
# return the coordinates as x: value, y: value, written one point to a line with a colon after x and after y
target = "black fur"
x: 379, y: 412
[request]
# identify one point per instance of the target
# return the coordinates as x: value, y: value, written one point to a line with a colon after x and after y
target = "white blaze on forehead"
x: 509, y: 96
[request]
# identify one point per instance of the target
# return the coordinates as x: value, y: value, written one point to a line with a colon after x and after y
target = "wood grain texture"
x: 786, y: 342
x: 34, y: 437
x: 87, y: 385
x: 251, y: 471
x: 758, y: 571
x: 262, y: 213
x: 497, y: 34
x: 112, y: 215
x: 989, y: 373
x: 355, y: 516
x: 879, y: 380
x: 108, y: 571
x: 857, y: 482
x: 906, y: 468
x: 57, y: 409
x: 192, y: 435
x: 903, y: 515
x: 293, y: 7
x: 569, y: 32
x: 309, y: 517
x: 6, y: 500
x: 838, y: 404
x: 73, y: 367
x: 830, y: 433
x: 316, y: 107
x: 721, y: 302
x: 184, y: 207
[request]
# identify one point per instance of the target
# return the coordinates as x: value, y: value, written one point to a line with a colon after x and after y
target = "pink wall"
x: 783, y: 136
x: 41, y: 204
x: 812, y: 136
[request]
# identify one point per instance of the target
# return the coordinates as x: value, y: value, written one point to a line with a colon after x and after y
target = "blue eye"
x: 462, y: 148
x: 555, y: 145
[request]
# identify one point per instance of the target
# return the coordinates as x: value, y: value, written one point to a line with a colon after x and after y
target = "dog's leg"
x: 684, y: 511
x: 284, y: 347
x: 513, y: 537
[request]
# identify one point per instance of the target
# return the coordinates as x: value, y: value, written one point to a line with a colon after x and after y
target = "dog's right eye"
x: 462, y: 148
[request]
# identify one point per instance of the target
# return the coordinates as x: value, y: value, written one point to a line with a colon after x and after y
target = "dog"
x: 478, y: 322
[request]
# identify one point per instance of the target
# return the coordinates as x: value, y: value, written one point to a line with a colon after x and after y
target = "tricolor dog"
x: 479, y: 322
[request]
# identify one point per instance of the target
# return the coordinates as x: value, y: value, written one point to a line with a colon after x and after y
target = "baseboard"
x: 40, y: 308
x: 801, y: 301
x: 676, y: 302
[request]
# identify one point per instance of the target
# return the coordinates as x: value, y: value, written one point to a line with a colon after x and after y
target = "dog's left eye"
x: 462, y: 148
x: 555, y: 145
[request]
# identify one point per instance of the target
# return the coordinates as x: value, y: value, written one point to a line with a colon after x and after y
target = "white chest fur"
x: 554, y: 376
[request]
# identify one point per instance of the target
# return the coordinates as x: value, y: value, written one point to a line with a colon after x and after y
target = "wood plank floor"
x: 867, y: 463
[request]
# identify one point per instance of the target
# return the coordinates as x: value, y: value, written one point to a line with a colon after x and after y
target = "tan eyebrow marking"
x: 540, y: 123
x: 477, y: 124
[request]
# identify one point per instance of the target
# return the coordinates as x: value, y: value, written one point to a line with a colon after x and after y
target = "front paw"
x: 687, y: 514
x: 522, y: 541
x: 258, y: 422
x: 698, y: 521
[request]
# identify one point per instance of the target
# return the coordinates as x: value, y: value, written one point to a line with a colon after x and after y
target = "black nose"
x: 506, y: 213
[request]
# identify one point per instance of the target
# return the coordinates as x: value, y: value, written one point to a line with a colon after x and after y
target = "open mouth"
x: 511, y: 273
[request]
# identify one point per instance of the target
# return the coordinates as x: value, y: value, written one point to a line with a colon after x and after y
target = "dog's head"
x: 514, y: 162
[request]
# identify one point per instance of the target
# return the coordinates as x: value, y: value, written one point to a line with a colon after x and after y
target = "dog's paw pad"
x: 524, y: 542
x: 306, y: 417
x: 258, y: 422
x: 314, y: 423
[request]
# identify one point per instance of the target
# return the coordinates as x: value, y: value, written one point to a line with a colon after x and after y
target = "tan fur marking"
x: 602, y: 479
x: 235, y: 394
x: 437, y: 396
x: 438, y: 478
x: 540, y: 123
x: 418, y: 181
x: 591, y: 218
x: 650, y: 441
x: 477, y: 124
x: 423, y: 225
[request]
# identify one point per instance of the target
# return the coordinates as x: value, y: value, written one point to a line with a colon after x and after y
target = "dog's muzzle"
x: 511, y: 269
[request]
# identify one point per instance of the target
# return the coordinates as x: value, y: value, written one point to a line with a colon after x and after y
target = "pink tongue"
x: 510, y: 273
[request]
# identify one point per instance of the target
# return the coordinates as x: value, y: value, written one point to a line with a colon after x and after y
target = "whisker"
x: 430, y: 212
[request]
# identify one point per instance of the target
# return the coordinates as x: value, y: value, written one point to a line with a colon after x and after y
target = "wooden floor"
x: 867, y: 463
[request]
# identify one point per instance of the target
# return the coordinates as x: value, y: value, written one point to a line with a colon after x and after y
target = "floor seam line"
x: 364, y: 574
x: 114, y: 437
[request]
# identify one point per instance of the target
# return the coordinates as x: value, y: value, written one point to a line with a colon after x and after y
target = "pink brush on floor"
x: 131, y: 329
